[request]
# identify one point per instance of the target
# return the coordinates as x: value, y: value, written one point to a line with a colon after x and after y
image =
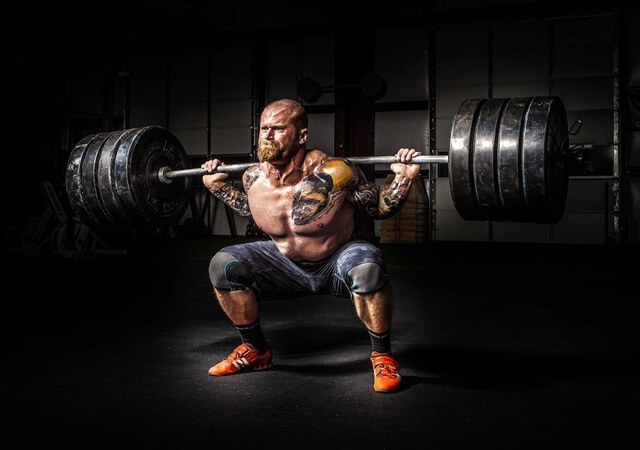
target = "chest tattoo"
x: 311, y: 198
x: 317, y: 191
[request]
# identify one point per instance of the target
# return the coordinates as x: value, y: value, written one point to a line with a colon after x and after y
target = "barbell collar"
x: 165, y: 174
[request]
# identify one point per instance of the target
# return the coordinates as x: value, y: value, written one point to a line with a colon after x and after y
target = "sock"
x: 252, y: 334
x: 380, y: 342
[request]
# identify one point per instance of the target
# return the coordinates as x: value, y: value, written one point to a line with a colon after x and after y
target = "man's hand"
x: 209, y: 180
x: 405, y: 167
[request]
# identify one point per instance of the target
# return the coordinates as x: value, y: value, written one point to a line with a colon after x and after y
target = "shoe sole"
x: 251, y: 369
x: 387, y: 391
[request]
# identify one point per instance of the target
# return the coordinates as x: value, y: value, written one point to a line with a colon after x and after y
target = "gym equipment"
x: 507, y: 162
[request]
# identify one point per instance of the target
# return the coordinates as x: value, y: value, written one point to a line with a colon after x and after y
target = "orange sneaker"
x: 386, y: 371
x: 244, y: 358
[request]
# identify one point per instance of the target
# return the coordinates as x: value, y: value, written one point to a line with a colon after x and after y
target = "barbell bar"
x: 166, y: 175
x: 506, y: 162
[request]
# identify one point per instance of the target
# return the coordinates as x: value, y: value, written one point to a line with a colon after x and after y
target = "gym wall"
x: 206, y: 95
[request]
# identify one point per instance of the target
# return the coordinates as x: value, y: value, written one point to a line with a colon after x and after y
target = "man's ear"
x: 304, y: 135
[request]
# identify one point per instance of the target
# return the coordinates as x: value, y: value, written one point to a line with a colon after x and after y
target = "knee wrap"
x: 226, y: 272
x: 365, y: 278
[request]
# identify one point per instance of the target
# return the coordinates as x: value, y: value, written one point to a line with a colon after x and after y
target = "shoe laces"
x: 387, y: 371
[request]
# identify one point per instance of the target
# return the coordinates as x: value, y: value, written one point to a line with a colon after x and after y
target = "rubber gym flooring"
x: 502, y: 346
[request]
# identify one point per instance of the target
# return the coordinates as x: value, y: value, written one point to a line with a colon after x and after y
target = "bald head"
x: 294, y: 110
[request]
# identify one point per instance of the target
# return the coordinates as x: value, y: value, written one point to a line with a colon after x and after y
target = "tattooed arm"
x: 382, y: 202
x: 230, y: 195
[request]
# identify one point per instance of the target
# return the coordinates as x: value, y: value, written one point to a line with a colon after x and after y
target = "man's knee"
x: 367, y: 277
x: 226, y: 272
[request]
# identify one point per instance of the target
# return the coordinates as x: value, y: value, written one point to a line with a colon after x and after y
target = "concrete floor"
x: 501, y: 346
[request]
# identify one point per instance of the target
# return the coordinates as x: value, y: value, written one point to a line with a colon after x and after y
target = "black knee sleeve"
x: 226, y: 272
x: 368, y: 277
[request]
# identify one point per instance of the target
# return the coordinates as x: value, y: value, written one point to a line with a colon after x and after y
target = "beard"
x: 269, y: 150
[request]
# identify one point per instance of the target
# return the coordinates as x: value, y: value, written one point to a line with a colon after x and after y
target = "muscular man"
x: 304, y: 200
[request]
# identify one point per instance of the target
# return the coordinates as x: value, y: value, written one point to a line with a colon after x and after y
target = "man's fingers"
x: 406, y: 154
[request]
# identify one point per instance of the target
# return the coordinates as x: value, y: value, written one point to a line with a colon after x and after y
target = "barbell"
x: 507, y: 162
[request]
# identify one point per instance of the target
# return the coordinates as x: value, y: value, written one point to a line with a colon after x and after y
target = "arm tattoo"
x: 236, y: 199
x: 381, y: 202
x: 393, y: 196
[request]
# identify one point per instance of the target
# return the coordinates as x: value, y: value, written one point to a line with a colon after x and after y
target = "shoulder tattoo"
x: 250, y: 176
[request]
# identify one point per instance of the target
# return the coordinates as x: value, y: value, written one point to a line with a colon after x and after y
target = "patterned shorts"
x: 279, y: 277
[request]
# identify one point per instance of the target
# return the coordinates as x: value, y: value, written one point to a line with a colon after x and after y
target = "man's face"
x: 278, y: 137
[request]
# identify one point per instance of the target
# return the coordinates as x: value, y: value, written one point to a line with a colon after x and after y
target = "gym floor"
x: 502, y: 346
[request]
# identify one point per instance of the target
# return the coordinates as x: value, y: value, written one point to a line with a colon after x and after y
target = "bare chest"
x: 301, y: 209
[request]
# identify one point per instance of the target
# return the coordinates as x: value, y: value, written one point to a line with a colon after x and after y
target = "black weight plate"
x: 557, y: 169
x: 508, y: 159
x: 460, y: 166
x: 483, y: 158
x: 91, y: 177
x: 544, y: 149
x: 138, y: 160
x: 519, y: 173
x: 120, y: 216
x: 74, y: 183
x: 82, y: 181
